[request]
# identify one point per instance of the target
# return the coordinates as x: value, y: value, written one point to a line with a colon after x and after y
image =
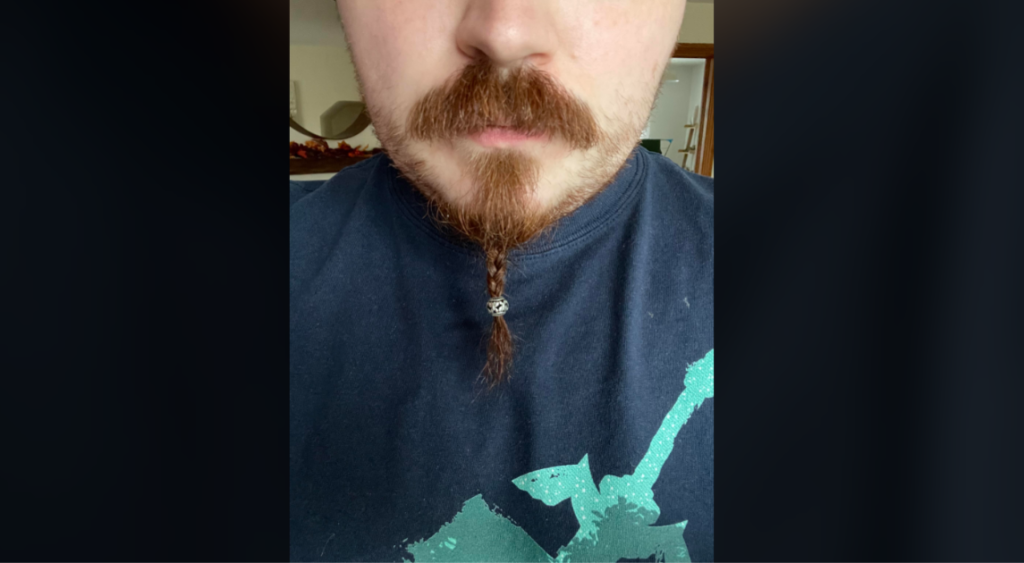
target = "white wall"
x: 675, y: 107
x: 698, y: 27
x: 696, y: 79
x: 323, y: 75
x: 698, y: 23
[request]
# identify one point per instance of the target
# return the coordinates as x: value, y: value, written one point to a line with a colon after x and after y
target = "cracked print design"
x: 616, y: 518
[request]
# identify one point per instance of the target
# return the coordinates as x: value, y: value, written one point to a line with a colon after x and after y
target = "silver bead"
x: 497, y: 306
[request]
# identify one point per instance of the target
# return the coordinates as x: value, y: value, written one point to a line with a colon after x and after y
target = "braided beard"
x: 499, y: 219
x: 502, y: 211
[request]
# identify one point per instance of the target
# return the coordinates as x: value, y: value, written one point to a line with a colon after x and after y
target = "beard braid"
x: 499, y: 219
x: 501, y: 213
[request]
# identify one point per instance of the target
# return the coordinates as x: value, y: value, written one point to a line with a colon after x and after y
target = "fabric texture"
x: 601, y: 445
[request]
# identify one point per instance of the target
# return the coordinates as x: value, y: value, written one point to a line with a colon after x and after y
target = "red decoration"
x: 318, y: 149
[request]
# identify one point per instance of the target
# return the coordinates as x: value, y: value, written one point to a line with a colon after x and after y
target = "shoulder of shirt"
x: 678, y: 198
x: 679, y: 181
x: 347, y: 183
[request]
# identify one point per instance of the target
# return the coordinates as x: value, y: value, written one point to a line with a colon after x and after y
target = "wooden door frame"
x: 706, y: 138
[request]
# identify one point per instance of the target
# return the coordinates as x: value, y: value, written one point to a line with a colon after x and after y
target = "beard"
x: 501, y: 211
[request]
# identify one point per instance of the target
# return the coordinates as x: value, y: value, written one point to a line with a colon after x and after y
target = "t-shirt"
x: 600, y: 447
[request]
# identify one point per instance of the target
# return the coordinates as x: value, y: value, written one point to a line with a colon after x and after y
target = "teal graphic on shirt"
x: 615, y: 518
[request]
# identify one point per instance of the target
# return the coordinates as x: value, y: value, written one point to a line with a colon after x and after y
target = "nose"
x: 508, y: 32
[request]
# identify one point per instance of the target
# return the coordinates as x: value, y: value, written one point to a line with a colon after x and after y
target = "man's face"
x: 457, y: 91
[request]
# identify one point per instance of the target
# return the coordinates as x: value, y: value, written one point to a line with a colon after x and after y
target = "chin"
x: 444, y: 171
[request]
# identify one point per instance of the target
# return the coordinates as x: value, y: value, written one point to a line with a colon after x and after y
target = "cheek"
x: 618, y: 46
x: 398, y: 49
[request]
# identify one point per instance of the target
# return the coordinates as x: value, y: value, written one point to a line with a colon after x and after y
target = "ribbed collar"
x: 595, y: 215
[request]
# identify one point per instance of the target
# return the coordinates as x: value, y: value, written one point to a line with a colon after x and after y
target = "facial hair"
x: 500, y: 213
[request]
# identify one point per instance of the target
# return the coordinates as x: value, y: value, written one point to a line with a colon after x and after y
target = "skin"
x: 609, y: 54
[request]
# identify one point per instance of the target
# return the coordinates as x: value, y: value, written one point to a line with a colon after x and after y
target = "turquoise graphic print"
x: 616, y: 518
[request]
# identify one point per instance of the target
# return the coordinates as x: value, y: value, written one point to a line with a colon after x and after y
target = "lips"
x: 507, y: 128
x: 499, y: 136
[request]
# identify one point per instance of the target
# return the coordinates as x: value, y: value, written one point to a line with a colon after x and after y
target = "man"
x: 501, y: 329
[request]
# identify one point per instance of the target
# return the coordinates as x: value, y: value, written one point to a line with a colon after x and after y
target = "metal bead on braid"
x: 497, y: 306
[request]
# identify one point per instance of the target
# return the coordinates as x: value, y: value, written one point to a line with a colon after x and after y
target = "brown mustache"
x: 524, y: 99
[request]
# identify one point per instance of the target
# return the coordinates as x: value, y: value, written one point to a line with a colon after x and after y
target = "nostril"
x: 472, y: 53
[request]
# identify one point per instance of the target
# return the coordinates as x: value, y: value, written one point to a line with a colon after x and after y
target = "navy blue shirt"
x: 601, y: 445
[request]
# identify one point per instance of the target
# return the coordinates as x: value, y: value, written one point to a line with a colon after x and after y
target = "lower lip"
x: 500, y: 137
